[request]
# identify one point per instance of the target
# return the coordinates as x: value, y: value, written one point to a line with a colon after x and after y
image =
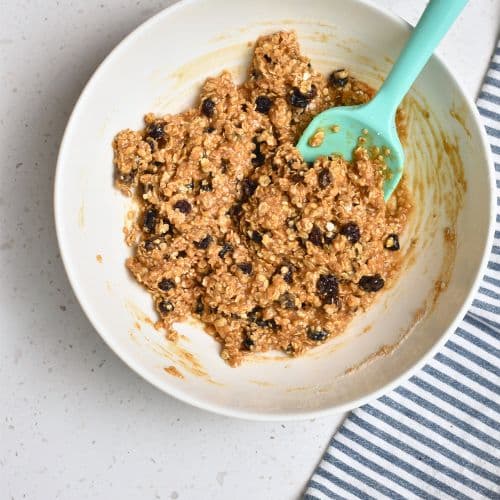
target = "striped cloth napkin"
x: 438, y: 435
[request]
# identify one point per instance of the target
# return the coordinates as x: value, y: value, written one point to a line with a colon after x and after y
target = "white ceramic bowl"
x: 159, y: 68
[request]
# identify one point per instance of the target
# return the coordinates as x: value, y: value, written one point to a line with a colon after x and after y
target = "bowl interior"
x: 159, y: 68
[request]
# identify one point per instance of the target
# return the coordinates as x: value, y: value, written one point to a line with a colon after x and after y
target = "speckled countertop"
x: 75, y: 422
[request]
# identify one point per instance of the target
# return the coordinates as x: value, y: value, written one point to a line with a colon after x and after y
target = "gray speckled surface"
x: 75, y: 422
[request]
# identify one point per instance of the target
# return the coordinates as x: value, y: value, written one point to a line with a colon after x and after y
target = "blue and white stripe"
x: 438, y: 435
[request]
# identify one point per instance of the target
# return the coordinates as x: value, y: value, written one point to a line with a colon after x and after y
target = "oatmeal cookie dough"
x: 269, y: 252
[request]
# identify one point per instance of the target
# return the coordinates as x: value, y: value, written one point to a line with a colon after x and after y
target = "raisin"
x: 338, y: 78
x: 165, y: 307
x: 392, y: 242
x: 246, y: 267
x: 371, y: 283
x: 166, y: 285
x: 316, y: 334
x: 263, y: 104
x: 327, y: 288
x: 266, y: 323
x: 259, y: 158
x: 247, y: 342
x: 351, y: 232
x: 204, y: 243
x: 248, y: 187
x: 150, y: 244
x: 235, y: 210
x: 298, y: 99
x: 208, y: 107
x: 169, y: 229
x: 149, y: 222
x: 226, y: 248
x: 206, y: 185
x: 256, y: 237
x: 324, y: 178
x: 156, y: 131
x: 316, y: 236
x: 254, y: 314
x: 199, y: 307
x: 287, y: 275
x: 183, y: 206
x: 287, y: 300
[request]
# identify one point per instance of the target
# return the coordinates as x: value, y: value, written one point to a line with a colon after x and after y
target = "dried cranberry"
x: 208, y: 107
x: 263, y: 104
x: 371, y: 283
x: 351, y: 232
x: 183, y: 206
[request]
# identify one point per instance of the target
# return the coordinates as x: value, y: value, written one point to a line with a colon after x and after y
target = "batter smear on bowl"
x: 269, y: 252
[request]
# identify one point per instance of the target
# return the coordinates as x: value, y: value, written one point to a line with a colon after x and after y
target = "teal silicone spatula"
x: 342, y: 126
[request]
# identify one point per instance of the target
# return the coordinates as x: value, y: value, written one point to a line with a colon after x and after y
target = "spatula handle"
x: 431, y: 28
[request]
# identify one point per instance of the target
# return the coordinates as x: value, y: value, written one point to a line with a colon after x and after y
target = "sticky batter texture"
x: 235, y: 229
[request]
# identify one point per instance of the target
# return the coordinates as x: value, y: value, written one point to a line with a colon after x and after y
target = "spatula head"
x: 337, y: 131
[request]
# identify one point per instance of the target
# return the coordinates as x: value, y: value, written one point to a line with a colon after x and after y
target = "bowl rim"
x: 220, y: 409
